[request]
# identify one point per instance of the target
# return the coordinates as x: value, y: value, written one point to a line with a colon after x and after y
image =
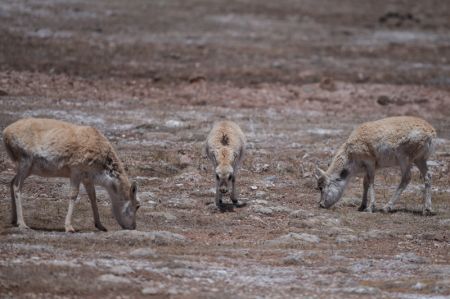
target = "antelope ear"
x: 319, y: 173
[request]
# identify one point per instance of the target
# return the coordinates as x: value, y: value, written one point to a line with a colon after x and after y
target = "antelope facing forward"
x: 225, y: 148
x: 395, y: 141
x: 52, y: 148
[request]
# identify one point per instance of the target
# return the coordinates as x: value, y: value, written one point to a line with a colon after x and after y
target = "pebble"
x: 363, y: 290
x: 262, y: 210
x: 293, y: 259
x: 143, y: 252
x: 411, y: 258
x: 260, y: 194
x: 111, y: 278
x: 419, y: 286
x: 123, y: 269
x: 302, y: 214
x: 150, y: 291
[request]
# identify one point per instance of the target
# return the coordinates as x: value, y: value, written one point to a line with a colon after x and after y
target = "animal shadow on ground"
x: 229, y: 207
x: 46, y: 229
x: 412, y: 211
x: 226, y: 207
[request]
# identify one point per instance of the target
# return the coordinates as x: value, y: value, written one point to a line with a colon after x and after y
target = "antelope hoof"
x: 428, y: 212
x: 239, y: 204
x: 369, y: 209
x: 70, y: 229
x: 387, y: 209
x: 23, y: 226
x: 99, y: 226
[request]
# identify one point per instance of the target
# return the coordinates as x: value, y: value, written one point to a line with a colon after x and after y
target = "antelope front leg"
x: 219, y: 202
x: 73, y: 198
x: 13, y: 203
x: 371, y: 179
x: 90, y: 189
x: 233, y: 195
x: 363, y: 205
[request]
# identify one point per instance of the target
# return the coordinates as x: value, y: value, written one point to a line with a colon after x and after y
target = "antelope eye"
x: 230, y: 177
x: 217, y: 177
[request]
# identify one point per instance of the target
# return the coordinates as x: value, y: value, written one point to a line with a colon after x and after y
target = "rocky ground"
x: 297, y: 76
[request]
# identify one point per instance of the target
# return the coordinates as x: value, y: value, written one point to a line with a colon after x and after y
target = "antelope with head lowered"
x: 52, y: 148
x: 395, y: 141
x: 225, y: 148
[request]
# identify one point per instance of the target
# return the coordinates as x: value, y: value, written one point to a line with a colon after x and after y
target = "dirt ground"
x: 297, y: 76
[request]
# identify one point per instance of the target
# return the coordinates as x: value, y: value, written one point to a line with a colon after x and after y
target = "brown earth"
x: 297, y: 76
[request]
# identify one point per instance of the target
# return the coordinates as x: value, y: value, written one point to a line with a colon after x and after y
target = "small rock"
x: 150, y: 291
x: 351, y: 201
x: 281, y: 209
x: 340, y: 230
x: 270, y: 179
x: 173, y: 123
x: 361, y: 78
x: 322, y: 221
x: 124, y: 269
x: 260, y: 194
x: 261, y: 202
x: 253, y: 187
x: 362, y: 290
x: 411, y: 258
x: 384, y: 100
x: 444, y: 222
x: 143, y: 252
x: 181, y: 203
x: 185, y: 161
x: 327, y: 84
x: 196, y: 79
x: 433, y: 163
x: 419, y: 286
x: 262, y: 210
x: 293, y: 259
x: 111, y: 278
x: 302, y: 214
x: 151, y: 203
